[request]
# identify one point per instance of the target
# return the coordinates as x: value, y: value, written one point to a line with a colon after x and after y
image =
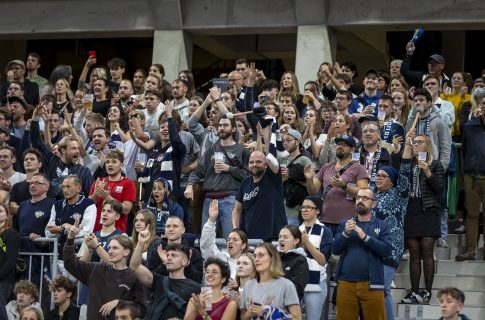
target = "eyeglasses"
x: 340, y: 98
x: 363, y: 198
x: 419, y: 141
x: 307, y: 208
x: 381, y: 176
x: 36, y: 183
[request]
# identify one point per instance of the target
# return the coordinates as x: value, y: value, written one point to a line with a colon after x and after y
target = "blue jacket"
x: 377, y: 245
x: 359, y: 103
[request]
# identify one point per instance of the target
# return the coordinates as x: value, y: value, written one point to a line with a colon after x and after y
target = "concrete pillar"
x: 314, y: 45
x: 172, y: 49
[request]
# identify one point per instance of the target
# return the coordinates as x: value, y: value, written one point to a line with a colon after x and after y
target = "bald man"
x: 261, y: 196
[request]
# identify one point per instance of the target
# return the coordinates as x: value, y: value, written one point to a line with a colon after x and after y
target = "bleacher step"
x: 415, y: 311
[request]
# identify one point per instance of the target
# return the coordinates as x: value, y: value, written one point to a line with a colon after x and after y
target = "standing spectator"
x: 395, y: 68
x: 34, y: 63
x: 26, y: 294
x: 294, y: 184
x: 317, y: 241
x: 18, y: 107
x: 293, y: 258
x: 58, y: 168
x: 222, y: 167
x: 116, y: 69
x: 102, y: 94
x: 174, y: 231
x: 389, y: 126
x: 107, y: 283
x: 259, y: 218
x: 9, y: 249
x: 138, y: 80
x: 237, y: 241
x: 341, y: 180
x: 473, y: 150
x: 270, y: 293
x: 127, y: 310
x: 392, y: 200
x: 361, y: 242
x: 114, y: 186
x: 31, y: 89
x: 216, y: 276
x: 436, y: 65
x: 422, y: 221
x: 367, y: 102
x: 64, y: 290
x: 74, y: 206
x: 180, y: 102
x: 7, y: 160
x: 170, y: 294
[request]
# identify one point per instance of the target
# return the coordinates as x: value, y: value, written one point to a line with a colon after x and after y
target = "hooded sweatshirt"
x: 295, y: 267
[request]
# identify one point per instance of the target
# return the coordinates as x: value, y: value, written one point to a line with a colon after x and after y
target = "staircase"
x: 468, y: 276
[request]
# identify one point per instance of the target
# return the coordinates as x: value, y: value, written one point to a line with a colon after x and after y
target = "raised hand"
x: 309, y: 172
x: 144, y: 235
x: 74, y: 230
x: 162, y: 253
x: 214, y: 210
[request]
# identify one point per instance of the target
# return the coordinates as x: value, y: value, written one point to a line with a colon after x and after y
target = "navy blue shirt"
x: 33, y: 217
x: 356, y: 265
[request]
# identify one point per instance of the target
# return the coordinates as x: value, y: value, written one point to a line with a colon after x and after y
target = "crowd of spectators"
x: 137, y: 178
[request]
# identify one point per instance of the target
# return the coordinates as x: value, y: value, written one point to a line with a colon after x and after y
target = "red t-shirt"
x: 121, y: 190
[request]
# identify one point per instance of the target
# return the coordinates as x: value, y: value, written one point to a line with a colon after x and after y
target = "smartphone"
x: 134, y: 97
x: 92, y: 54
x: 221, y: 83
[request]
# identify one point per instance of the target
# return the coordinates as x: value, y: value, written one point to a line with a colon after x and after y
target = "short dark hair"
x: 347, y: 93
x: 130, y: 305
x: 242, y: 60
x: 387, y: 97
x: 276, y: 106
x: 328, y: 105
x: 288, y: 94
x: 455, y: 293
x: 115, y: 154
x: 423, y: 92
x: 178, y: 247
x: 223, y: 266
x: 182, y: 81
x: 7, y: 114
x: 269, y: 84
x: 160, y: 68
x: 35, y: 152
x: 35, y: 55
x: 116, y: 63
x: 345, y: 77
x: 351, y: 65
x: 106, y: 131
x: 155, y: 93
x: 44, y: 176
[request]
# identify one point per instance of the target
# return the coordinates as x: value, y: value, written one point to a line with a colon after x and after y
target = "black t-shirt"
x: 262, y: 219
x: 182, y: 287
x: 101, y: 107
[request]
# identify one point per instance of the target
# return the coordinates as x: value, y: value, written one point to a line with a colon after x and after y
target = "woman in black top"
x: 422, y: 221
x: 102, y: 95
x: 9, y: 250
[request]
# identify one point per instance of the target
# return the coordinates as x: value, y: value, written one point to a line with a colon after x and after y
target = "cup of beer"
x: 88, y: 102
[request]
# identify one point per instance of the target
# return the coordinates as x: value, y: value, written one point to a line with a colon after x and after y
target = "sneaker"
x: 442, y: 243
x: 461, y: 229
x: 426, y: 296
x: 405, y: 255
x: 393, y: 285
x: 466, y: 256
x: 412, y: 298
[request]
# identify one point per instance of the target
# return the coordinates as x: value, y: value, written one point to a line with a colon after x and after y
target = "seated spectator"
x: 255, y: 299
x: 163, y: 205
x: 127, y: 310
x: 64, y: 291
x: 246, y: 271
x: 170, y: 294
x: 107, y: 283
x: 317, y: 241
x: 237, y: 241
x: 174, y: 229
x: 9, y: 249
x: 26, y: 294
x: 293, y: 258
x: 144, y: 219
x: 452, y: 301
x: 216, y: 276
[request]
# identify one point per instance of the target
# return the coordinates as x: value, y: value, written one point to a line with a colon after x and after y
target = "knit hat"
x: 391, y: 172
x: 317, y: 200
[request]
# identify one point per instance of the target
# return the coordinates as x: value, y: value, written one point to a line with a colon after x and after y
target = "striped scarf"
x: 317, y: 272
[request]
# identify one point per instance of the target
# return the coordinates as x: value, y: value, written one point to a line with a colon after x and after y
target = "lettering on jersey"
x: 122, y: 285
x: 250, y: 195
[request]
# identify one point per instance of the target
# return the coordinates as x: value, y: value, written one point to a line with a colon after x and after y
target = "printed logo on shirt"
x: 122, y: 285
x: 76, y: 216
x: 250, y: 195
x: 62, y: 173
x: 377, y: 230
x: 119, y: 189
x: 39, y: 214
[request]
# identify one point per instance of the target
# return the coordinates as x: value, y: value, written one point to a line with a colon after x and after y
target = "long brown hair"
x: 275, y: 266
x: 149, y: 221
x: 8, y: 223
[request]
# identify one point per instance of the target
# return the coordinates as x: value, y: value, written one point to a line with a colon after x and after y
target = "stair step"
x: 472, y: 298
x: 412, y: 311
x: 467, y: 268
x: 471, y: 283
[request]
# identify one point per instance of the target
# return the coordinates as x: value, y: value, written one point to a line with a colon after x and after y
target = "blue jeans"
x: 444, y: 224
x: 388, y: 276
x: 225, y: 213
x: 314, y: 302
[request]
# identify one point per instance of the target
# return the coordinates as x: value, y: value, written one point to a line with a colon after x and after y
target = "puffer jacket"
x: 295, y: 267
